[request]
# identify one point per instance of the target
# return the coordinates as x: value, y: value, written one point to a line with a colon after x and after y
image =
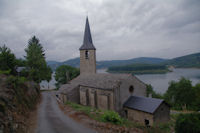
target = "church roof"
x: 87, y: 40
x: 101, y: 81
x: 144, y: 104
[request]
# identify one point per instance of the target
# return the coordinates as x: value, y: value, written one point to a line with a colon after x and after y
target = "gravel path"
x: 52, y: 120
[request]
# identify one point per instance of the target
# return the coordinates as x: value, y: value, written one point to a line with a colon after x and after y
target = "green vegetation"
x: 113, y: 117
x: 188, y: 61
x: 188, y: 123
x: 182, y: 95
x: 99, y: 115
x: 64, y: 74
x: 152, y: 92
x: 6, y: 72
x: 35, y: 60
x: 139, y: 69
x: 22, y: 98
x: 35, y: 65
x: 7, y: 59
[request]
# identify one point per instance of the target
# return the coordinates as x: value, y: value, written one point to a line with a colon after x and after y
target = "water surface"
x: 160, y: 82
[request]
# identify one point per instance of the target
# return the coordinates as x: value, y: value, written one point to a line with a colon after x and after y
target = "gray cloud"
x: 121, y: 29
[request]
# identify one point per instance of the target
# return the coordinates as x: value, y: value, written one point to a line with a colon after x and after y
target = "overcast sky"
x: 121, y: 29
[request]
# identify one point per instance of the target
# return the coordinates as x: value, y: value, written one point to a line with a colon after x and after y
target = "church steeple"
x: 87, y: 52
x: 87, y: 40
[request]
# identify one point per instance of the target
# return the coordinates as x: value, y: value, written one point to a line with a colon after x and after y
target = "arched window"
x: 131, y: 89
x: 86, y: 54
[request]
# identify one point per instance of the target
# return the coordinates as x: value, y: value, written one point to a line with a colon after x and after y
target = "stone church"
x: 106, y: 91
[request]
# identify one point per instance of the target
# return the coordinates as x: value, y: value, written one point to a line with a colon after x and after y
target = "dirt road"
x: 52, y: 120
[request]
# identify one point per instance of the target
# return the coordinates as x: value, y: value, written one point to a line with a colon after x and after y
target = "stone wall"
x: 139, y: 89
x: 88, y: 65
x: 162, y: 114
x: 139, y: 116
x: 98, y: 98
x: 72, y: 96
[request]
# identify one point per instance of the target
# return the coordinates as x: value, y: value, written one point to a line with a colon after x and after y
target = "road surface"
x: 52, y: 120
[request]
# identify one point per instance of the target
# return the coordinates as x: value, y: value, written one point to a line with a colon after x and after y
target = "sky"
x: 121, y: 29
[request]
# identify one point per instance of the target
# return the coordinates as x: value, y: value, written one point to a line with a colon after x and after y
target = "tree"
x: 188, y: 123
x: 35, y: 60
x: 65, y: 73
x: 152, y: 92
x: 197, y: 96
x: 180, y: 94
x: 20, y: 62
x: 7, y: 60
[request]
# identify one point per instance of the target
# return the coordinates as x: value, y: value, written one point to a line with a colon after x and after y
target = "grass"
x: 112, y: 117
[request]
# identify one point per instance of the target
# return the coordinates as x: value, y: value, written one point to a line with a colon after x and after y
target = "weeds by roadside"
x: 112, y: 117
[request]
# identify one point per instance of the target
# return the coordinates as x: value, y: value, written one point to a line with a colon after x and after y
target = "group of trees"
x: 180, y: 95
x: 64, y: 74
x: 183, y: 95
x: 35, y: 66
x: 7, y: 60
x: 188, y: 123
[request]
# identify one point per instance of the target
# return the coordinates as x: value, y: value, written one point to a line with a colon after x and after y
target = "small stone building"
x: 147, y: 110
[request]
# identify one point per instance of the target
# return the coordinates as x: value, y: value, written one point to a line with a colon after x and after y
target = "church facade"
x: 101, y: 90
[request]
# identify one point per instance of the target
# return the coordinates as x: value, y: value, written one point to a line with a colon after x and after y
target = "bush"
x: 188, y: 123
x: 113, y: 117
x: 7, y: 72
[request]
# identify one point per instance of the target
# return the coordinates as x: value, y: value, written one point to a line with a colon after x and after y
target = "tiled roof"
x: 144, y: 104
x: 100, y: 80
x: 87, y: 41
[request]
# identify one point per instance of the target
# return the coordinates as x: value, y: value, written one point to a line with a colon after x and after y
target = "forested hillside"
x: 192, y: 60
x: 105, y: 64
x: 139, y: 69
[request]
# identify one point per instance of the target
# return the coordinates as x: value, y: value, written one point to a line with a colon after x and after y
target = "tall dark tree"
x: 35, y: 59
x: 7, y: 59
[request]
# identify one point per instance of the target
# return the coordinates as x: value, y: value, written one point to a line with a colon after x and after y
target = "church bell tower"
x: 87, y: 52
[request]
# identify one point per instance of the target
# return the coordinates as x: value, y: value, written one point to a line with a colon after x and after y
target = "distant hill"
x: 187, y: 61
x: 72, y: 62
x: 105, y: 64
x: 139, y: 69
x: 140, y: 60
x: 192, y: 60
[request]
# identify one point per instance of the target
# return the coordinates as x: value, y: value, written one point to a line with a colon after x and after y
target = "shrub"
x: 5, y: 72
x: 111, y: 116
x: 188, y: 123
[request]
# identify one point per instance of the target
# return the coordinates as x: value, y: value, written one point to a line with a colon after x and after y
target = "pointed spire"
x: 87, y: 40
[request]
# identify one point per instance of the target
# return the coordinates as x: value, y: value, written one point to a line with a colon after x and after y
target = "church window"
x: 86, y: 54
x: 131, y: 89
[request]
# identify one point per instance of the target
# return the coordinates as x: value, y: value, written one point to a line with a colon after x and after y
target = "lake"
x: 159, y: 82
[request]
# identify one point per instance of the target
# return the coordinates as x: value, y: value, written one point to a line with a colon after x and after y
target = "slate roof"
x: 144, y: 104
x: 100, y: 81
x: 87, y: 41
